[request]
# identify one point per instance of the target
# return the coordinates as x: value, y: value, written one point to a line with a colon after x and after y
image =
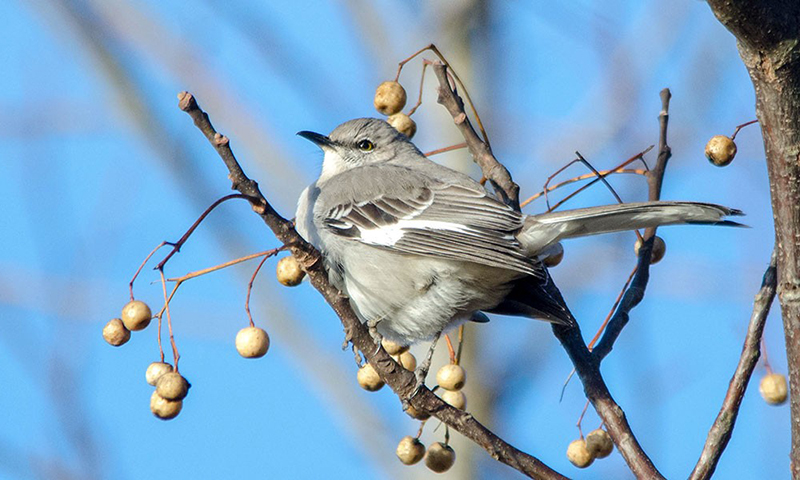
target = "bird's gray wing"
x: 414, y: 214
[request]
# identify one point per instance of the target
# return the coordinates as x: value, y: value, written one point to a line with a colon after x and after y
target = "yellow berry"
x: 252, y: 342
x: 417, y: 414
x: 659, y: 249
x: 115, y: 332
x: 440, y: 457
x: 555, y: 255
x: 155, y: 370
x: 403, y: 124
x: 393, y: 348
x: 456, y: 398
x: 289, y: 272
x: 720, y: 150
x: 390, y: 98
x: 451, y: 377
x: 136, y: 315
x: 172, y: 386
x: 410, y: 450
x: 599, y: 443
x: 773, y: 388
x: 163, y: 408
x: 407, y: 360
x: 369, y: 379
x: 578, y: 454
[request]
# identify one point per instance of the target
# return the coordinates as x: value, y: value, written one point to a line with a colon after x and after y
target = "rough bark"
x: 768, y: 37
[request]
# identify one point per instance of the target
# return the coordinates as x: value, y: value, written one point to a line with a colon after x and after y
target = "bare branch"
x: 721, y: 430
x: 635, y: 293
x: 399, y: 379
x: 586, y: 364
x: 481, y: 152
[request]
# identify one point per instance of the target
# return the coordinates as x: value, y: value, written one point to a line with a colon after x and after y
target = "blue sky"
x: 99, y: 165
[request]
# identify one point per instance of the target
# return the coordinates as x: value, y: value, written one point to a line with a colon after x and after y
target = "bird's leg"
x: 372, y: 325
x: 421, y: 372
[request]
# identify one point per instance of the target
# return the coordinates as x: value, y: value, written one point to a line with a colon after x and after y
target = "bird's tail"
x: 541, y: 231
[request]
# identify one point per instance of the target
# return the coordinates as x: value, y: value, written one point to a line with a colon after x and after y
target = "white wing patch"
x: 389, y: 235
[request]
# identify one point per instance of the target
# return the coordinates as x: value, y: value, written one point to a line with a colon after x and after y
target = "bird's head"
x: 358, y: 142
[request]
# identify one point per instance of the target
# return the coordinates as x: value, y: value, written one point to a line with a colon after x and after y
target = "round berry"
x: 407, y: 360
x: 773, y: 388
x: 115, y: 332
x: 451, y: 377
x: 172, y: 386
x: 136, y: 315
x: 659, y: 249
x: 455, y: 398
x: 720, y: 150
x: 155, y: 370
x: 289, y: 272
x: 554, y: 256
x: 599, y: 443
x: 410, y: 450
x: 393, y: 348
x: 416, y: 414
x: 163, y: 408
x: 369, y: 379
x: 403, y: 124
x: 440, y: 457
x: 252, y: 342
x: 578, y: 454
x: 390, y: 98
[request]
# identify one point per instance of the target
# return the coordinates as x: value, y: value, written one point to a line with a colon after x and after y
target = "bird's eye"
x: 366, y: 145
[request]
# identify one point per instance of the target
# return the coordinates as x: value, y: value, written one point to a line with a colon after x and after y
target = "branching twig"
x: 721, y: 430
x: 635, y: 293
x: 481, y: 152
x: 399, y: 379
x: 570, y: 337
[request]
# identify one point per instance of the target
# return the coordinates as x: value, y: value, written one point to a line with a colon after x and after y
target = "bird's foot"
x: 421, y: 372
x: 372, y: 325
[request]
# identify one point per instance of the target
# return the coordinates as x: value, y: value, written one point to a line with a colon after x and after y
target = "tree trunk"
x: 768, y: 35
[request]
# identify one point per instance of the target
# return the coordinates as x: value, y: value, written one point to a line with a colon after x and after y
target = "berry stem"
x: 130, y: 285
x: 175, y: 353
x: 250, y: 285
x: 177, y: 245
x: 580, y: 419
x: 736, y: 132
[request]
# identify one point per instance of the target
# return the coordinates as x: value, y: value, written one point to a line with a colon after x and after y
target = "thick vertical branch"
x: 768, y: 34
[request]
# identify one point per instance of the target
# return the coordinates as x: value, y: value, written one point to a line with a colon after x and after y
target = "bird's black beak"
x: 321, y: 141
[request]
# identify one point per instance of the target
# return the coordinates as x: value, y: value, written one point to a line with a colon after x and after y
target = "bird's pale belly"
x: 413, y: 298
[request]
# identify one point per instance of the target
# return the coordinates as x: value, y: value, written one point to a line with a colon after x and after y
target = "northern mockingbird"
x: 418, y: 247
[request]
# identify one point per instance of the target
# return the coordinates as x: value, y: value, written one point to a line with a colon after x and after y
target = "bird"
x: 419, y: 248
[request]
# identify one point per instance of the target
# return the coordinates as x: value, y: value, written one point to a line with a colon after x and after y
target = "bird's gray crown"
x: 359, y: 142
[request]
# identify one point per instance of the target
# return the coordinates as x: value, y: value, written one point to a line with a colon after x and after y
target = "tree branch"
x: 493, y: 170
x: 400, y: 380
x: 586, y: 364
x: 721, y: 430
x: 635, y: 292
x: 768, y: 38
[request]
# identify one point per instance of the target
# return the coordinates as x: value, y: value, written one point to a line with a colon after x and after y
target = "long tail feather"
x: 541, y: 231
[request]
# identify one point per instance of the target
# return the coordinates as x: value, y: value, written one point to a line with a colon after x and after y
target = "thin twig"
x: 635, y: 292
x: 250, y: 289
x: 585, y: 176
x: 721, y: 430
x: 144, y: 262
x: 176, y: 247
x: 480, y: 150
